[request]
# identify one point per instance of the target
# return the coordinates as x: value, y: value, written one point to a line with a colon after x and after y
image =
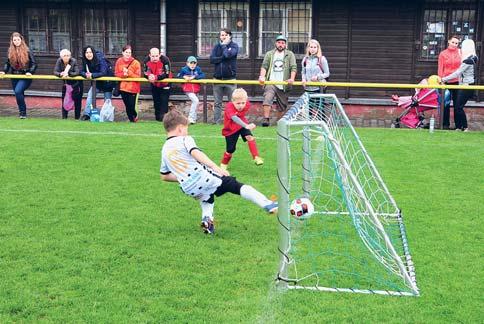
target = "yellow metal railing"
x: 204, y: 82
x: 255, y: 82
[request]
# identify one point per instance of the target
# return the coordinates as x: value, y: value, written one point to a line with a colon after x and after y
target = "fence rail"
x: 205, y: 82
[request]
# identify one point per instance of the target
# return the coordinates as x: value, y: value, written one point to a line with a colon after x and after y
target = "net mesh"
x: 355, y: 239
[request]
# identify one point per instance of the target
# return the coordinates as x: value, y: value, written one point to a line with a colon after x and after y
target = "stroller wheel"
x: 395, y: 125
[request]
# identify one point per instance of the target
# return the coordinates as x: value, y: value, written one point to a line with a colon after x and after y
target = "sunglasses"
x: 193, y: 62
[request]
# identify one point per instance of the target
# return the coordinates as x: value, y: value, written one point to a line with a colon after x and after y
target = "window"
x: 213, y: 16
x: 439, y: 24
x: 106, y: 29
x: 47, y: 30
x: 292, y: 19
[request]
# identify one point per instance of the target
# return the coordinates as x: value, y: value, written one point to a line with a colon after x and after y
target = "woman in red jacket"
x: 128, y: 67
x: 449, y: 61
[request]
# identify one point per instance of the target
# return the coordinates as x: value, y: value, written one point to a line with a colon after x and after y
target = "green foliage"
x: 89, y: 233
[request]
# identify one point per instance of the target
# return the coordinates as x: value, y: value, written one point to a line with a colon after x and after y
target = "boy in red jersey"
x: 235, y: 125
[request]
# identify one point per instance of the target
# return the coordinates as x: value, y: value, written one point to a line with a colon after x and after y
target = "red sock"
x: 253, y: 148
x: 226, y: 158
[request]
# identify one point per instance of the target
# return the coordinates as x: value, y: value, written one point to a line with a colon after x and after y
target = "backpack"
x: 320, y: 63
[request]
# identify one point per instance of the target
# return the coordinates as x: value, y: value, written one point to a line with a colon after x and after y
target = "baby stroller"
x: 413, y: 115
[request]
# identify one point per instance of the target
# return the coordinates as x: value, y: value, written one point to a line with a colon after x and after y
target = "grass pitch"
x: 89, y: 233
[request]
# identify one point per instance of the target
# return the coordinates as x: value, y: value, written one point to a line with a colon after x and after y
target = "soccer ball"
x: 301, y: 208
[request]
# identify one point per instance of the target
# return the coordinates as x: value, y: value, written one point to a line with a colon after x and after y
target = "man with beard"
x: 279, y: 65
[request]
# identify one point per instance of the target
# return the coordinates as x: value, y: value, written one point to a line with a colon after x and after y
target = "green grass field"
x: 89, y: 233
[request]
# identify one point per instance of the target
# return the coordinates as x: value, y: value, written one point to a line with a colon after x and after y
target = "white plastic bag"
x: 107, y: 111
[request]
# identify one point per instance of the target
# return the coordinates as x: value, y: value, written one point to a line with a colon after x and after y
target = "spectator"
x: 66, y: 66
x: 20, y: 61
x: 449, y: 61
x: 314, y: 67
x: 279, y: 64
x: 128, y: 67
x: 466, y: 76
x: 224, y: 57
x: 156, y: 68
x: 95, y: 65
x: 192, y: 72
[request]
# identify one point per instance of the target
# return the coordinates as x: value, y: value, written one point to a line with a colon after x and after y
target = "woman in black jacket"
x: 20, y: 61
x: 66, y: 66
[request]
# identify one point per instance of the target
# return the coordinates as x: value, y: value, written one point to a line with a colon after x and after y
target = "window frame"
x: 106, y: 7
x: 44, y: 8
x: 241, y: 5
x: 449, y: 9
x: 287, y: 6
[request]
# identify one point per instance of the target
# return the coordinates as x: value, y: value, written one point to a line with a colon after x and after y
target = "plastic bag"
x: 68, y: 100
x: 107, y: 112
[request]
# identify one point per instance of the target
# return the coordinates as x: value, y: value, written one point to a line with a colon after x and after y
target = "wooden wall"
x: 371, y: 41
x: 144, y: 33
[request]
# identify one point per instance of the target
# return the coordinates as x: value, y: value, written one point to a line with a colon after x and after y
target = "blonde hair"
x: 319, y: 53
x: 174, y: 118
x: 18, y: 55
x: 468, y: 48
x: 239, y: 93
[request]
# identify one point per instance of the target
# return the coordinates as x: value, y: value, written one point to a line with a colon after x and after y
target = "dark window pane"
x: 36, y: 29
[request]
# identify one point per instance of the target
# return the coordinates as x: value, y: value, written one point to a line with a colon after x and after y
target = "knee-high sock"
x: 253, y: 148
x: 207, y: 209
x: 226, y: 158
x: 249, y: 193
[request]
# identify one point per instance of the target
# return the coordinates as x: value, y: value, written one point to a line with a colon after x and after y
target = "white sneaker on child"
x: 191, y: 121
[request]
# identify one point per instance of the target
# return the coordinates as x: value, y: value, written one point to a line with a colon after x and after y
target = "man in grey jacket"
x: 279, y: 65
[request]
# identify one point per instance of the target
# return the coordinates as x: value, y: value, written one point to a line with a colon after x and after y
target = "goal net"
x: 355, y: 240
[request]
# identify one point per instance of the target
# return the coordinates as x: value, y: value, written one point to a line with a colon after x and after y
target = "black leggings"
x: 460, y: 118
x: 130, y: 101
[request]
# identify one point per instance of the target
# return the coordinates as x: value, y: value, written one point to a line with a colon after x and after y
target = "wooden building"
x: 364, y: 41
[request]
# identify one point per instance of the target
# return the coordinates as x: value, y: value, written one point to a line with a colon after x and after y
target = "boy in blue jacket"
x: 191, y: 72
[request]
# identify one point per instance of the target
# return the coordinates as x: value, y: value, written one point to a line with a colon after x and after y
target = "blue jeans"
x: 19, y: 86
x: 87, y: 110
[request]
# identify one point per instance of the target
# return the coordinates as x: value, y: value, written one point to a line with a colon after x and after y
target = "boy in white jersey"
x: 199, y: 177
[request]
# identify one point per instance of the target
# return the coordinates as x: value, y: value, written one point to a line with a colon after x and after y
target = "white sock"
x: 207, y: 209
x: 249, y: 193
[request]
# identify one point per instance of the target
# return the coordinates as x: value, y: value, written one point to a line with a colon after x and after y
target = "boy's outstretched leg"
x: 207, y: 217
x: 250, y: 193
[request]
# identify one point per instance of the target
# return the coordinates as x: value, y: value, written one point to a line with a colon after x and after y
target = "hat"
x: 191, y: 59
x: 281, y: 37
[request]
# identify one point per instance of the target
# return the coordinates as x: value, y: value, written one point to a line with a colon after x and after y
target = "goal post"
x: 355, y: 241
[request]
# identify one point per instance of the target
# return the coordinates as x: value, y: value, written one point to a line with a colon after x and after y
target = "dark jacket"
x: 197, y: 72
x: 161, y: 69
x: 74, y: 70
x: 99, y: 68
x: 225, y: 59
x: 32, y: 66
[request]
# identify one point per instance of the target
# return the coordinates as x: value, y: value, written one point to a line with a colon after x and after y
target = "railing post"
x: 94, y: 94
x: 205, y: 105
x: 442, y: 107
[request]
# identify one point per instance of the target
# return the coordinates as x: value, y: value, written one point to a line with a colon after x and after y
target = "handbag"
x: 68, y: 103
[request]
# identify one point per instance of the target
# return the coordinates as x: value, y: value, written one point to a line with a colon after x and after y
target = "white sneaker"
x: 191, y: 121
